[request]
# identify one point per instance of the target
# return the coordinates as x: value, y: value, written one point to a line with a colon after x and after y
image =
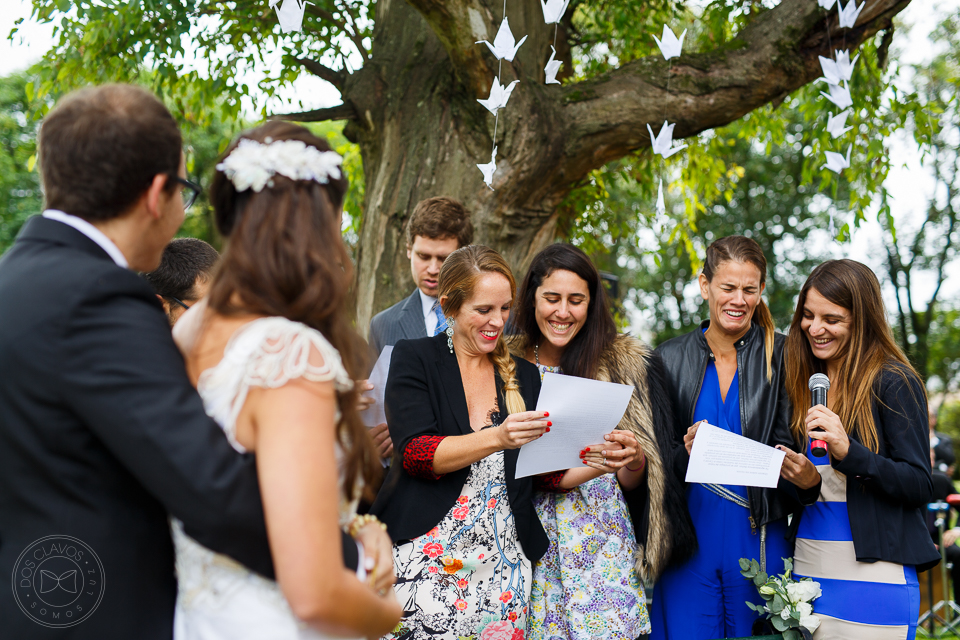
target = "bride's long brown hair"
x: 285, y: 257
x: 869, y: 351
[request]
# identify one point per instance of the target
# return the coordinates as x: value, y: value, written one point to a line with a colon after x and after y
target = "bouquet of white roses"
x: 788, y: 601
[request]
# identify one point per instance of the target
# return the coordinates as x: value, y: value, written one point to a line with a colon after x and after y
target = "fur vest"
x: 658, y: 507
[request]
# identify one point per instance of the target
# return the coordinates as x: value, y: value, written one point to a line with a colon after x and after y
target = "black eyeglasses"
x: 178, y: 301
x: 189, y: 192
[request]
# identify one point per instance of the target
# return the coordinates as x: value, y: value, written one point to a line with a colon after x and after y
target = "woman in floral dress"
x: 464, y: 527
x: 613, y: 531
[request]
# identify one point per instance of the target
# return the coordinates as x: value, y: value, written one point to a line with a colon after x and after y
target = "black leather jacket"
x: 764, y: 408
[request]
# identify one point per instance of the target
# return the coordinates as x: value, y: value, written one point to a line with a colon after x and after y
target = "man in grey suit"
x: 438, y: 227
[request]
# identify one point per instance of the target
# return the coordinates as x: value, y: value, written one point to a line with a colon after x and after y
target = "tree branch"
x: 343, y: 111
x: 776, y: 54
x: 334, y: 77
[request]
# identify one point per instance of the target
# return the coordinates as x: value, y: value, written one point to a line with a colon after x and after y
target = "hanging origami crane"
x: 488, y: 169
x: 835, y: 124
x: 663, y: 142
x: 552, y: 68
x: 504, y: 46
x: 834, y: 72
x: 498, y: 96
x: 836, y: 162
x: 670, y: 46
x: 849, y: 13
x: 826, y: 4
x: 661, y: 206
x: 553, y: 10
x: 839, y: 95
x: 290, y: 14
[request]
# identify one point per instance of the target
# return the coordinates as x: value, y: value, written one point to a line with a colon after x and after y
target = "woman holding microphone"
x: 730, y: 373
x: 865, y: 538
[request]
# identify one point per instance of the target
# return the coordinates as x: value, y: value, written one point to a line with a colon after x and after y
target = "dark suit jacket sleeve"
x: 125, y: 378
x: 902, y: 474
x: 407, y: 396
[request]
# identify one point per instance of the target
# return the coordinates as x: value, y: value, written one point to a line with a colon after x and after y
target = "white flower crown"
x: 252, y: 165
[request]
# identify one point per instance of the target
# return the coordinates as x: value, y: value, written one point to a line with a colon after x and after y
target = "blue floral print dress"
x: 585, y: 586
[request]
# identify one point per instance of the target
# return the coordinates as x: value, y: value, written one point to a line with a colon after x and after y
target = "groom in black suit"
x: 101, y: 433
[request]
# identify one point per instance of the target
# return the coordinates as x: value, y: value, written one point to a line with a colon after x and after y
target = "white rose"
x: 804, y: 609
x: 809, y: 590
x: 810, y: 623
x: 785, y: 613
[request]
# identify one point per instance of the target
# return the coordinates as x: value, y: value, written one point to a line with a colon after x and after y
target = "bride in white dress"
x: 272, y: 352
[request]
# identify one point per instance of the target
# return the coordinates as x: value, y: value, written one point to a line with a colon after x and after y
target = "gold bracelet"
x: 360, y: 521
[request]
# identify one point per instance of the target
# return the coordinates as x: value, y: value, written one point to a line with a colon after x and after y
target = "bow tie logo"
x: 50, y: 581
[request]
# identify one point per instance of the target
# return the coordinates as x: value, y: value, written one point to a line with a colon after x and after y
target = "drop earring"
x: 449, y: 332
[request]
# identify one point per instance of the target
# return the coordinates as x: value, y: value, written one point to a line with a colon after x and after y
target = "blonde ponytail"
x: 507, y: 369
x: 762, y: 316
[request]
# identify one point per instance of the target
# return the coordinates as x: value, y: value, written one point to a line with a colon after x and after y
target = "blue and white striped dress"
x: 861, y: 600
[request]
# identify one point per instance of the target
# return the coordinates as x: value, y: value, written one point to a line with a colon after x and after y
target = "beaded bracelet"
x: 360, y: 521
x: 642, y: 464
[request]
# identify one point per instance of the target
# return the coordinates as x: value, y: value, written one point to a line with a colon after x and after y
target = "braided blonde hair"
x: 458, y: 280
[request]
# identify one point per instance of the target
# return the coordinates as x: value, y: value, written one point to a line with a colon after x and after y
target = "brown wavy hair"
x: 869, y: 352
x: 457, y: 283
x: 746, y: 250
x: 285, y: 257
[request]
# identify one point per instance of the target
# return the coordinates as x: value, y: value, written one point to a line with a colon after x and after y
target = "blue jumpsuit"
x: 705, y: 597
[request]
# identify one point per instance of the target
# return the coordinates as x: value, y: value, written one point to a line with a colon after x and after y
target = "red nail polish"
x: 549, y: 424
x: 546, y: 414
x: 548, y: 429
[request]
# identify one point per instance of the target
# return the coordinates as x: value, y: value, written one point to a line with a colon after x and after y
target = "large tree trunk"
x: 414, y: 112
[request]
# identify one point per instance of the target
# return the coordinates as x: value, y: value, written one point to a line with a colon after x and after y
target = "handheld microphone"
x: 819, y: 385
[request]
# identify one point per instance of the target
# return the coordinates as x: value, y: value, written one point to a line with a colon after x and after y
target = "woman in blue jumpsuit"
x: 730, y: 373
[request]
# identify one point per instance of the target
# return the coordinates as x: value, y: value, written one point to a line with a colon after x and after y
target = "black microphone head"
x: 819, y: 380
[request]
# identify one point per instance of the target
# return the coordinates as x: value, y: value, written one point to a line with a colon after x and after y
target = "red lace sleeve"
x: 418, y: 457
x: 549, y: 482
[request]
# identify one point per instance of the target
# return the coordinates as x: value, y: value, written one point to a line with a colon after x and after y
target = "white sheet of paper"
x: 376, y: 413
x: 582, y: 412
x: 723, y: 457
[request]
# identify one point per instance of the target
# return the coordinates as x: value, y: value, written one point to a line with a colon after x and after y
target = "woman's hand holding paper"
x: 520, y: 428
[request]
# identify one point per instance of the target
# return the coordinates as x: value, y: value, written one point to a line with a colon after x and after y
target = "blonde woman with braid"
x: 464, y: 527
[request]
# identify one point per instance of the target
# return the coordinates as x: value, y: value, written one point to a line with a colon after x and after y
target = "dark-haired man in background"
x: 183, y: 277
x: 438, y: 227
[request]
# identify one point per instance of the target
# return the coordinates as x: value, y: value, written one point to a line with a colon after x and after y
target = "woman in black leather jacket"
x: 729, y: 372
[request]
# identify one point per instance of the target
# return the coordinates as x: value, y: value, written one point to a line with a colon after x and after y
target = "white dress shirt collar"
x: 430, y: 319
x: 91, y: 232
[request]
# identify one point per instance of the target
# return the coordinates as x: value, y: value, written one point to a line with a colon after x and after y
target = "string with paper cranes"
x: 504, y: 47
x: 662, y: 143
x: 837, y: 74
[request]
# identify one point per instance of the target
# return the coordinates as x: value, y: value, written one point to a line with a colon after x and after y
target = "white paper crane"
x: 839, y: 95
x: 504, y: 46
x: 661, y: 206
x: 826, y: 4
x: 663, y: 142
x: 498, y: 96
x: 850, y: 13
x: 488, y: 169
x: 835, y: 124
x: 836, y: 162
x: 670, y: 46
x: 290, y: 14
x: 834, y: 72
x: 553, y: 10
x: 552, y: 68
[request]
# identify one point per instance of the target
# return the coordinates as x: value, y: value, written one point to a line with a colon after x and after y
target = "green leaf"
x: 776, y: 604
x: 792, y: 634
x: 744, y: 564
x: 779, y: 623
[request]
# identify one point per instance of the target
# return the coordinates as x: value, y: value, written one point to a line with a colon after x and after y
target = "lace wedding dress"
x: 218, y: 598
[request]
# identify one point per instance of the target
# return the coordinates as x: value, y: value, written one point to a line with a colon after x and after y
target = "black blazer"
x: 102, y: 435
x: 888, y: 492
x: 425, y: 397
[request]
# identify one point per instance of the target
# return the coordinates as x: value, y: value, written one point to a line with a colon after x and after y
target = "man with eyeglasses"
x: 183, y: 277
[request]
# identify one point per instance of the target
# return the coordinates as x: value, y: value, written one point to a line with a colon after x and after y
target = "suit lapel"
x: 411, y: 317
x: 453, y: 385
